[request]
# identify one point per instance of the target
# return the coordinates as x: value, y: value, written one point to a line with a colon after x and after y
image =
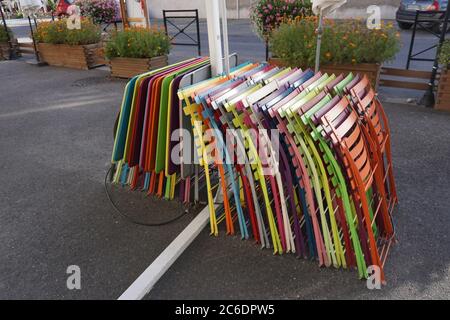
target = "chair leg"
x: 392, y: 187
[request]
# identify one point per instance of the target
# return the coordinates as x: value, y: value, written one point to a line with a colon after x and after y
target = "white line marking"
x: 69, y: 105
x: 145, y: 282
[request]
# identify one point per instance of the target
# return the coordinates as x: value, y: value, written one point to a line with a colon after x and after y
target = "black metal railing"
x: 425, y: 21
x: 170, y: 18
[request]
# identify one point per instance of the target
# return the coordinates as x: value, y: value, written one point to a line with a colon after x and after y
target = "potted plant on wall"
x: 347, y: 46
x: 74, y: 48
x: 267, y: 15
x: 136, y: 50
x: 100, y: 11
x: 443, y: 93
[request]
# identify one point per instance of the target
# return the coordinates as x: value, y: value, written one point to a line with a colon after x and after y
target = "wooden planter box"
x: 129, y: 67
x: 443, y: 92
x: 77, y: 57
x: 372, y: 70
x: 5, y: 50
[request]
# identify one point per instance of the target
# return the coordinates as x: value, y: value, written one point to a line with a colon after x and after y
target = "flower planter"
x: 129, y: 67
x: 5, y: 49
x: 71, y: 56
x: 372, y: 70
x: 443, y: 92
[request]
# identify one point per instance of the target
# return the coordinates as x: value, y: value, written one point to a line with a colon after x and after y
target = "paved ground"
x: 55, y: 144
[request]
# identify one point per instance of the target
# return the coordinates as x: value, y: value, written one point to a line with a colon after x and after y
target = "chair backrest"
x: 330, y: 86
x: 352, y: 83
x: 346, y: 132
x: 314, y: 101
x: 367, y: 104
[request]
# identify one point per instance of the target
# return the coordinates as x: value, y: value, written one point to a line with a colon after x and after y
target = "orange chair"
x: 351, y: 141
x: 368, y: 105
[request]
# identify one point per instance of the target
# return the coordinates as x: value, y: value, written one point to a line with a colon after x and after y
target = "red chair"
x: 352, y: 143
x: 368, y: 105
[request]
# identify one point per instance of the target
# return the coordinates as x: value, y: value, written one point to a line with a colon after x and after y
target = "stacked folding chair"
x: 301, y: 161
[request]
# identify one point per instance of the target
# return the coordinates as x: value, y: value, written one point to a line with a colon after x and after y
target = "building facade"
x: 240, y: 9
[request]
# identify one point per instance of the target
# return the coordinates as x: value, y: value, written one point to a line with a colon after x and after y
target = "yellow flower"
x: 328, y: 55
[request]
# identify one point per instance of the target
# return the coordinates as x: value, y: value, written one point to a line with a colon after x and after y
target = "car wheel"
x: 404, y: 25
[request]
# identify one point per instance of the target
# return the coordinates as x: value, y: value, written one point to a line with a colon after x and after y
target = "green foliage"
x: 444, y: 54
x: 267, y: 15
x: 56, y: 32
x: 51, y: 5
x: 343, y: 42
x: 138, y: 42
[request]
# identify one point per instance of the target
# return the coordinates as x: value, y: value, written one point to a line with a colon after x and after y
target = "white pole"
x: 226, y: 49
x: 319, y: 40
x: 145, y: 282
x: 214, y: 38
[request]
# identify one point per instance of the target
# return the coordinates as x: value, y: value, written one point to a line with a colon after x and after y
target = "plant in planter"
x: 5, y: 48
x: 267, y: 15
x: 137, y: 50
x: 347, y: 46
x: 443, y: 93
x: 100, y: 11
x: 4, y: 45
x: 61, y: 46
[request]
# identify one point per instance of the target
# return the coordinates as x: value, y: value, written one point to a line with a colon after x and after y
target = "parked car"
x: 406, y: 13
